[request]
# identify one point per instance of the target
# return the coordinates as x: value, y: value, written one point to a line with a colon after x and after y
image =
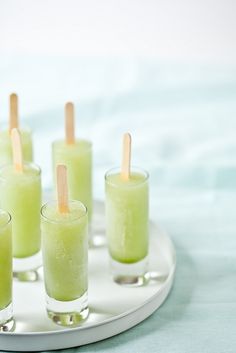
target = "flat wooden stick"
x: 125, y: 168
x: 62, y: 189
x: 13, y: 118
x: 69, y: 123
x: 17, y: 150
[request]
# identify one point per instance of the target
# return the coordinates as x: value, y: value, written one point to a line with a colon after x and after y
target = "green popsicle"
x: 127, y: 210
x: 5, y: 260
x: 127, y: 216
x: 20, y: 190
x: 21, y: 197
x: 78, y: 159
x: 65, y: 249
x: 76, y: 155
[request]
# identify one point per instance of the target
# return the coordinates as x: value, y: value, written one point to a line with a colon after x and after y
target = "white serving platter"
x: 113, y: 308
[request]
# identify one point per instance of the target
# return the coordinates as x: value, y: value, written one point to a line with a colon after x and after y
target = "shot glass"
x: 21, y: 197
x: 127, y: 225
x: 77, y: 158
x: 65, y: 262
x: 6, y: 313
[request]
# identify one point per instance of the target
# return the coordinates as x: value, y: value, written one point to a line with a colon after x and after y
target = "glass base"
x: 68, y: 313
x: 25, y: 268
x: 132, y: 275
x: 7, y: 322
x: 27, y: 276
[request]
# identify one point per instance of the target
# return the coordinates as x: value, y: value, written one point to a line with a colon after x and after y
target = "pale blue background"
x: 179, y: 103
x: 183, y: 121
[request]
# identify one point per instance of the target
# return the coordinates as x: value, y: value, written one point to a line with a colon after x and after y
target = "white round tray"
x: 113, y: 308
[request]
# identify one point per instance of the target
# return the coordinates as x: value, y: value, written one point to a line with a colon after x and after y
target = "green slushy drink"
x: 77, y: 157
x: 65, y: 260
x: 6, y: 320
x: 21, y: 197
x: 6, y: 146
x: 127, y: 225
x: 5, y: 260
x: 127, y: 216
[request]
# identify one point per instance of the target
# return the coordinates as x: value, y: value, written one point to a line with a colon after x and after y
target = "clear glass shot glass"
x: 6, y: 312
x: 21, y: 197
x: 65, y: 262
x: 77, y: 157
x: 127, y: 225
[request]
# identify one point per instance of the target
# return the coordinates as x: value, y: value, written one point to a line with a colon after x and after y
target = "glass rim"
x: 34, y: 166
x: 89, y: 143
x: 9, y: 218
x: 116, y: 170
x: 54, y: 202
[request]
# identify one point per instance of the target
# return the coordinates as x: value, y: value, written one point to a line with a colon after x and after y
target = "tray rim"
x: 106, y: 321
x: 94, y: 332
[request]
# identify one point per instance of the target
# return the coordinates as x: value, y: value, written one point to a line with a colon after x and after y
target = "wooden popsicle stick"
x: 69, y: 123
x: 13, y: 118
x: 62, y: 189
x: 17, y: 150
x: 125, y: 168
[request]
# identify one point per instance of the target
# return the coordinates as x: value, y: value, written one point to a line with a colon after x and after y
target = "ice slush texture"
x: 78, y: 159
x: 5, y: 260
x: 65, y: 251
x: 127, y: 216
x: 21, y: 197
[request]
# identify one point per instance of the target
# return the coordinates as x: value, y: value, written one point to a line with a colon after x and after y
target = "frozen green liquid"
x: 21, y: 197
x: 127, y: 216
x: 65, y: 251
x: 5, y: 260
x: 6, y: 146
x: 78, y: 159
